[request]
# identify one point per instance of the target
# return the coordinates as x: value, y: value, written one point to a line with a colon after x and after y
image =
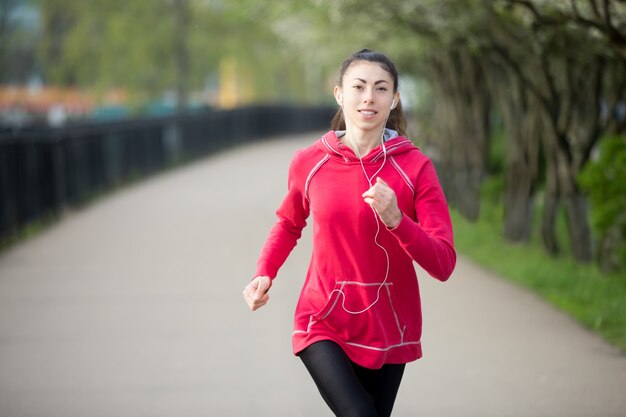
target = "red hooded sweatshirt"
x: 361, y: 289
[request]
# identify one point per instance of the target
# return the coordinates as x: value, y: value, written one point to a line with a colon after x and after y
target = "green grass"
x: 596, y: 300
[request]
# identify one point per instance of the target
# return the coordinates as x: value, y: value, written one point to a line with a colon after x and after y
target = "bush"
x: 604, y: 181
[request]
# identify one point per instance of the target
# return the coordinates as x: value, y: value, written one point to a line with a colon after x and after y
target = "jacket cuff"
x: 264, y: 271
x: 405, y: 231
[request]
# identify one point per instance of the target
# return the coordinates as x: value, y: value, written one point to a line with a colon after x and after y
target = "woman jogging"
x: 377, y: 206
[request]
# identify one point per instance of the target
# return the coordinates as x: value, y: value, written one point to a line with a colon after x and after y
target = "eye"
x: 382, y: 88
x: 358, y: 87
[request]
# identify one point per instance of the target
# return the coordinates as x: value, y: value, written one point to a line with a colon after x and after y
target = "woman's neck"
x: 362, y: 142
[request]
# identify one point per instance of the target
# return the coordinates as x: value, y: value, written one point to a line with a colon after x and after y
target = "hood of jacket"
x: 333, y: 145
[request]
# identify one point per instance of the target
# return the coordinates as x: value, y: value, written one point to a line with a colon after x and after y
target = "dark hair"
x: 396, y: 120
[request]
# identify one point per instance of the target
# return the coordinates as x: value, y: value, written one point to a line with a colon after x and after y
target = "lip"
x: 367, y: 112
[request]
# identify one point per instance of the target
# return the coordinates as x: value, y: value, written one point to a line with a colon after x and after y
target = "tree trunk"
x: 548, y: 224
x: 577, y: 211
x: 561, y: 186
x: 520, y: 184
x: 550, y: 202
x: 523, y: 129
x: 518, y: 211
x: 461, y: 122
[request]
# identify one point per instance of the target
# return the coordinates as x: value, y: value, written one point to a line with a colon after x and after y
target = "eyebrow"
x: 377, y: 82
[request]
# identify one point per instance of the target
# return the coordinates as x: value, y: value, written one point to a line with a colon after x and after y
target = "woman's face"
x: 366, y: 96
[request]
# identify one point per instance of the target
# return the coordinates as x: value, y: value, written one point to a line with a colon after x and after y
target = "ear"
x: 338, y: 92
x: 396, y: 100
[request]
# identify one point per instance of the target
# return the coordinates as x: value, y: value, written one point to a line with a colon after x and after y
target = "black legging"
x: 351, y: 390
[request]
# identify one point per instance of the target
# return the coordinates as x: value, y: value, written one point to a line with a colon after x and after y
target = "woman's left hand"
x: 382, y: 199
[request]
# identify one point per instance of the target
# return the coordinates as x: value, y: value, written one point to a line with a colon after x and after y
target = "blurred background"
x: 64, y: 60
x: 520, y: 103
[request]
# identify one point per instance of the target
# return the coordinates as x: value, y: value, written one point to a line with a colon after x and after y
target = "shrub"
x: 604, y: 181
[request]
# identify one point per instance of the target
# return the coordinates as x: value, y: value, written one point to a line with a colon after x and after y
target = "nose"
x: 368, y: 95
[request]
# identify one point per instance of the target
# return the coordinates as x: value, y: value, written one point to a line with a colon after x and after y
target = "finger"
x: 250, y: 291
x: 260, y: 302
x: 376, y: 197
x: 259, y: 291
x: 249, y: 294
x: 376, y: 193
x: 248, y: 300
x: 382, y: 186
x: 254, y: 303
x: 263, y: 285
x: 381, y: 181
x: 369, y: 200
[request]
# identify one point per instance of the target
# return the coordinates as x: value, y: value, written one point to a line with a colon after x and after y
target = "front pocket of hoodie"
x: 333, y: 299
x: 356, y: 310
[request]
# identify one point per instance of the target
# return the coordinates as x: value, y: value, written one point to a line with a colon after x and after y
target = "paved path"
x: 132, y: 307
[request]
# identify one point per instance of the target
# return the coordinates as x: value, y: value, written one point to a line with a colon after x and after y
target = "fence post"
x: 57, y: 155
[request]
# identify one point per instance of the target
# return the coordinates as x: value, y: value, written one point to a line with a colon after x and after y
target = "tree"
x: 461, y: 116
x: 524, y: 127
x: 569, y: 85
x: 150, y: 47
x: 17, y: 42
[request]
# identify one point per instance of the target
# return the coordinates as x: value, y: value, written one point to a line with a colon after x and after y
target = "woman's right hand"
x: 256, y: 292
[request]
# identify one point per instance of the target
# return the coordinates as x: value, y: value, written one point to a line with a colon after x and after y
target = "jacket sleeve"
x: 429, y: 241
x: 291, y: 219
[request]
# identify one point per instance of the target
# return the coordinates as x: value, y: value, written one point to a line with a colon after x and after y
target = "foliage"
x: 139, y: 46
x: 604, y: 180
x: 16, y: 41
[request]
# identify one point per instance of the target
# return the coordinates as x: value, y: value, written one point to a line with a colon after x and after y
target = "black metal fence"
x: 43, y: 171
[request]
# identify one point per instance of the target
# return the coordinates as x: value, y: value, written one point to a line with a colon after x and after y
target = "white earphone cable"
x: 377, y: 219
